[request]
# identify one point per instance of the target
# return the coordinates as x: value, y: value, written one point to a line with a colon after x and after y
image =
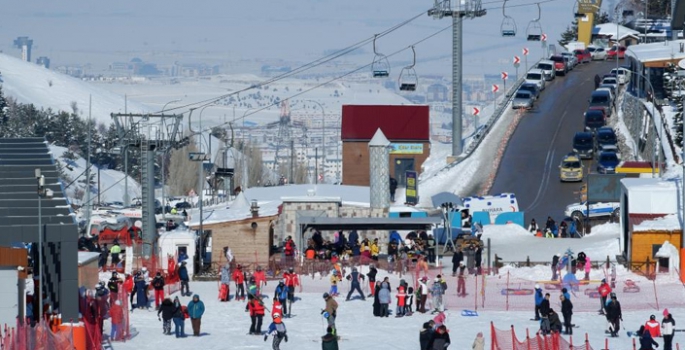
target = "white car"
x: 537, y: 77
x: 623, y: 75
x: 547, y: 67
x: 572, y: 58
x: 610, y: 81
x: 597, y: 53
x: 597, y: 210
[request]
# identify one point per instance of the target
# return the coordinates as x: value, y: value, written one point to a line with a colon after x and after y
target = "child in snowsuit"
x: 277, y: 329
x: 436, y: 295
x: 401, y: 301
x: 409, y: 302
x: 167, y: 310
x: 335, y: 278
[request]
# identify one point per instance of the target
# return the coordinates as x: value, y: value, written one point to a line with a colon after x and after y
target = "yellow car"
x: 571, y: 168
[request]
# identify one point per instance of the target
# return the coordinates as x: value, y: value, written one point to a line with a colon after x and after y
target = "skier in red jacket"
x: 259, y: 279
x: 239, y: 278
x: 604, y: 291
x: 653, y: 327
x: 291, y: 280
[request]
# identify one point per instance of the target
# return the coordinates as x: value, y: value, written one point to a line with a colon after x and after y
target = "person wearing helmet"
x: 278, y: 331
x: 185, y: 278
x: 281, y: 294
x: 239, y: 278
x: 436, y: 295
x: 256, y: 309
x: 292, y: 281
x: 653, y: 326
x: 113, y: 286
x: 423, y: 295
x: 354, y: 277
x: 158, y: 285
x: 335, y: 278
x: 331, y: 309
x: 604, y: 290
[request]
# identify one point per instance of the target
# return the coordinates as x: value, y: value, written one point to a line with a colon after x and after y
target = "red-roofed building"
x: 406, y: 127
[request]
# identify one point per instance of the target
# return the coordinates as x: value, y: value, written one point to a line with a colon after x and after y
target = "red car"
x: 559, y: 64
x: 611, y: 54
x: 598, y: 108
x: 583, y: 55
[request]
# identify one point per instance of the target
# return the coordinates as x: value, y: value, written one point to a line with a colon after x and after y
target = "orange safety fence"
x: 507, y: 340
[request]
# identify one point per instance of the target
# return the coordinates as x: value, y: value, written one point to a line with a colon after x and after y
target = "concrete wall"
x: 9, y: 295
x: 639, y: 123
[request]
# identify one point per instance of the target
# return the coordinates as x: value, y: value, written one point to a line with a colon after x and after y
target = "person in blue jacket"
x: 195, y: 310
x: 539, y: 297
x: 281, y: 293
x: 183, y: 276
x: 278, y: 331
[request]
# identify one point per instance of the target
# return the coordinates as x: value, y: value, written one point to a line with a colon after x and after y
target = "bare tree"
x: 183, y: 172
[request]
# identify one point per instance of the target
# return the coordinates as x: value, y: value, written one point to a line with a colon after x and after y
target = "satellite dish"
x: 681, y: 64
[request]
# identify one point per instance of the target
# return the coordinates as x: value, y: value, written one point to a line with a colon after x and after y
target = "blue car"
x: 607, y: 163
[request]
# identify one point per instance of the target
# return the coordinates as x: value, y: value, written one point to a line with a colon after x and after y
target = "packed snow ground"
x: 228, y: 323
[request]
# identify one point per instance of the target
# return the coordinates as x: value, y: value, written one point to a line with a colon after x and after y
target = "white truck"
x: 575, y: 45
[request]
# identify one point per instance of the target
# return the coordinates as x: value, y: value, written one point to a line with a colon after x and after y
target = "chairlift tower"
x: 284, y: 135
x: 151, y: 133
x: 463, y: 9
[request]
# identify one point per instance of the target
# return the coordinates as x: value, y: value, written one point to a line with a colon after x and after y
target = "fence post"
x: 527, y: 340
x: 482, y: 294
x: 507, y: 294
x: 475, y: 295
x: 634, y: 347
x: 587, y: 342
x: 513, y: 336
x: 608, y: 263
x: 656, y: 296
x: 527, y: 261
x: 493, y: 339
x: 649, y: 267
x: 606, y: 343
x: 570, y: 341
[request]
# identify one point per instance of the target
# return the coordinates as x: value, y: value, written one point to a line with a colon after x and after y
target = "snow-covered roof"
x: 184, y: 234
x: 666, y: 223
x: 650, y: 196
x: 86, y: 257
x: 356, y: 194
x: 236, y: 212
x: 656, y: 51
x: 610, y: 30
x: 317, y: 199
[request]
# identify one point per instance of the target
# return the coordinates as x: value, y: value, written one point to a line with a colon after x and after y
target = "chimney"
x: 254, y: 209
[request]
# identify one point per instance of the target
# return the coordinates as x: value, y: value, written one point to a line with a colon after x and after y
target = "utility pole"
x: 471, y: 9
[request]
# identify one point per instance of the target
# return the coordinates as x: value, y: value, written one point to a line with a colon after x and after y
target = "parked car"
x: 536, y: 76
x: 583, y: 55
x: 571, y: 168
x: 583, y: 144
x: 579, y: 211
x: 622, y: 74
x: 547, y: 67
x: 607, y: 162
x: 605, y: 137
x: 601, y: 99
x: 560, y: 64
x: 594, y: 119
x: 572, y: 58
x: 597, y: 53
x: 607, y: 89
x: 523, y: 99
x: 611, y: 81
x: 611, y: 88
x: 533, y: 88
x: 612, y: 53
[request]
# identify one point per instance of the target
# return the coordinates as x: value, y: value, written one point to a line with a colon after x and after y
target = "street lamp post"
x: 42, y: 192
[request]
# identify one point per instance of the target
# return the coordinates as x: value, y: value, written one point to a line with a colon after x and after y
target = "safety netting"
x: 507, y: 340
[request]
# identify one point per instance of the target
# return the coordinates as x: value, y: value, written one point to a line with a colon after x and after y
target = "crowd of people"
x: 565, y: 229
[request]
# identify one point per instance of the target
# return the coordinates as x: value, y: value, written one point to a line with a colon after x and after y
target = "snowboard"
x: 469, y: 313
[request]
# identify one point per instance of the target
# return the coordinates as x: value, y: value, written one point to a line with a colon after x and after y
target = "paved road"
x: 530, y: 165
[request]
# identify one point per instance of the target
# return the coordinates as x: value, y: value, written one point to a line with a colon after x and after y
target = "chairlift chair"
x: 508, y: 26
x: 534, y: 30
x: 408, y: 78
x: 380, y: 67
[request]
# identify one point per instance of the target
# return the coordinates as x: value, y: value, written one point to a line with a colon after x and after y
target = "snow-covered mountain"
x: 31, y: 83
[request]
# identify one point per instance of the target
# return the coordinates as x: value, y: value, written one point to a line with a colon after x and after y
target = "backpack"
x: 444, y: 285
x: 184, y: 309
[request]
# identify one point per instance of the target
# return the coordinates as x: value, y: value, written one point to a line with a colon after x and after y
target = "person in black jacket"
x: 646, y: 340
x: 566, y: 311
x: 440, y: 339
x: 544, y: 315
x: 554, y: 321
x: 457, y: 257
x: 372, y: 279
x: 167, y: 310
x: 555, y: 263
x: 426, y: 334
x: 614, y: 315
x: 393, y: 188
x: 597, y: 80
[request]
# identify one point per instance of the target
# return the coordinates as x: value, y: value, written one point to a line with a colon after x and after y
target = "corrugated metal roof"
x: 328, y: 223
x: 637, y: 219
x: 399, y: 123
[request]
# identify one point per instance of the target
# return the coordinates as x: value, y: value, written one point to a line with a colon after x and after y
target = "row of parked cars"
x: 597, y: 141
x: 546, y: 70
